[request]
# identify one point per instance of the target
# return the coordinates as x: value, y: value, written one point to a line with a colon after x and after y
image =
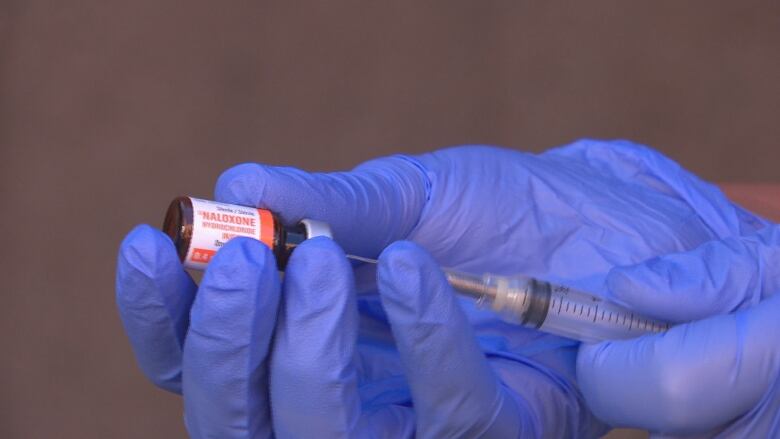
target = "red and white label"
x: 214, y: 224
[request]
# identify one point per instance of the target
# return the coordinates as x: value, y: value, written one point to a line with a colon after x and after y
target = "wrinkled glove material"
x: 256, y: 356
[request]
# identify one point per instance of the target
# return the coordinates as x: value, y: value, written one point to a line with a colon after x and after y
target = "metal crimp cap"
x: 316, y: 228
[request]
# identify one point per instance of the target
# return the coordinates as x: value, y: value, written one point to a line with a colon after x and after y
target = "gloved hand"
x: 719, y: 376
x: 415, y: 357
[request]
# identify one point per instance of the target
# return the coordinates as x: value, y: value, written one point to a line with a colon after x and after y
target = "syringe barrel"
x: 587, y: 318
x: 554, y: 309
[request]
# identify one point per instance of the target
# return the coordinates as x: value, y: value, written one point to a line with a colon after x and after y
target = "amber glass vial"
x: 198, y: 228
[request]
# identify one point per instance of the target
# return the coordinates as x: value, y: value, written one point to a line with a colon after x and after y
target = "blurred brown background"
x: 108, y: 109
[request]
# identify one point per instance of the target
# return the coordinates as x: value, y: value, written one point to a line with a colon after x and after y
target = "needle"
x: 362, y: 259
x: 464, y: 284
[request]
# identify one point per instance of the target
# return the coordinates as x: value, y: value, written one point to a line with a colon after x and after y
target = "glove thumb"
x: 368, y: 208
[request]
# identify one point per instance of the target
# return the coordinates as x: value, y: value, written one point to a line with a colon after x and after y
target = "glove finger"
x: 693, y: 378
x: 314, y: 384
x: 368, y: 208
x: 717, y: 277
x: 225, y: 354
x: 154, y: 295
x: 455, y: 393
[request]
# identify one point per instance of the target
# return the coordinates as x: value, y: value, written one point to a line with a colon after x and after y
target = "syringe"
x: 198, y: 228
x: 554, y: 309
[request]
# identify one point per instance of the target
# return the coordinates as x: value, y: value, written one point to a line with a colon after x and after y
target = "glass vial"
x: 199, y: 228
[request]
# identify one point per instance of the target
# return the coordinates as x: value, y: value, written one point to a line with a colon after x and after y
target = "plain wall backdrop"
x: 109, y: 109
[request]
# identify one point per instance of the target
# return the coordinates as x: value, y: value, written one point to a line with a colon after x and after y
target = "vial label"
x: 213, y: 224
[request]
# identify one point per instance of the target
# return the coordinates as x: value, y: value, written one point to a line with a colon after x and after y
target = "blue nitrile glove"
x: 405, y: 360
x: 719, y: 376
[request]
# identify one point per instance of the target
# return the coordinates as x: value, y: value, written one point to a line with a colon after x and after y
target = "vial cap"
x: 316, y: 228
